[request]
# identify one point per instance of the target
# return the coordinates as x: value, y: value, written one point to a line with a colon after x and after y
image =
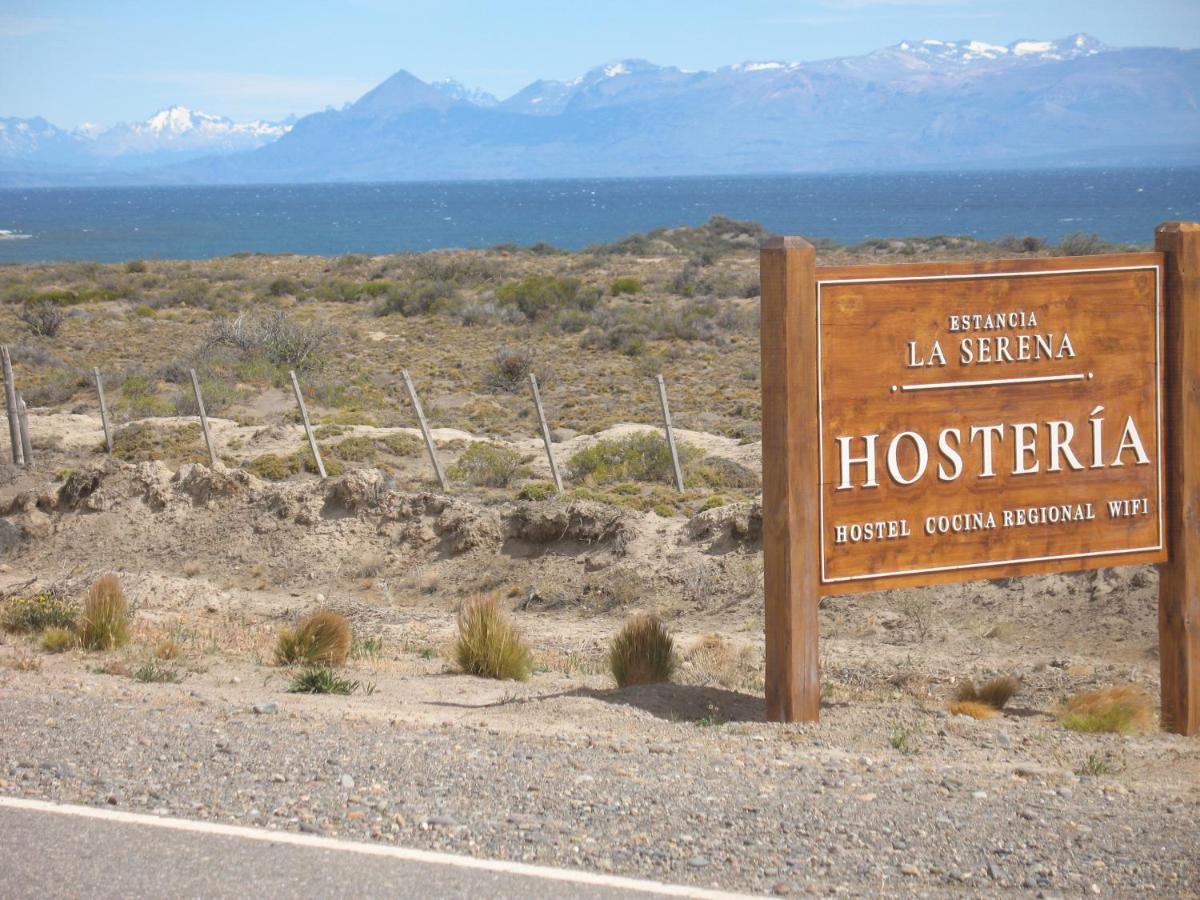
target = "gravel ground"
x: 739, y: 805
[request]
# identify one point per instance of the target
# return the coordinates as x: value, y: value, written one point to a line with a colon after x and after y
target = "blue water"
x: 110, y: 224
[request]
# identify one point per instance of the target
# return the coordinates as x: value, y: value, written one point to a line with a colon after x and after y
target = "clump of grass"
x: 994, y: 693
x: 167, y: 649
x: 57, y: 640
x: 642, y: 456
x: 903, y: 738
x: 485, y: 464
x: 971, y: 708
x: 1095, y: 766
x: 537, y: 490
x: 273, y: 467
x: 488, y: 644
x: 105, y: 620
x: 625, y: 284
x: 154, y: 672
x: 321, y: 638
x: 322, y: 680
x: 29, y: 615
x: 643, y: 652
x: 366, y: 647
x: 1118, y: 710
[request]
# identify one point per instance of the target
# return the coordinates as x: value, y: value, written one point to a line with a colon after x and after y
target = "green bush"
x: 484, y: 464
x: 104, y: 624
x: 135, y: 266
x: 626, y: 285
x: 273, y: 467
x: 417, y: 298
x: 539, y: 296
x: 643, y: 652
x: 154, y: 672
x: 29, y: 615
x: 641, y: 456
x: 284, y: 287
x: 322, y: 637
x: 57, y: 640
x: 322, y: 680
x: 488, y: 644
x: 538, y: 490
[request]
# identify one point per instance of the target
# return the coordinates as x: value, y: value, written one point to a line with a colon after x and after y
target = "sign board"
x: 937, y: 422
x: 989, y: 419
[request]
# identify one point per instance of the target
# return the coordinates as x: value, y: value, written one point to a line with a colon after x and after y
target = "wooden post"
x: 103, y: 410
x: 212, y: 454
x: 429, y: 444
x: 791, y: 479
x: 537, y: 405
x: 312, y: 438
x: 26, y: 441
x: 666, y: 411
x: 10, y: 405
x: 1179, y: 577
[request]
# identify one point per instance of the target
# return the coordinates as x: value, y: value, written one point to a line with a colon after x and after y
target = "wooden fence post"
x: 791, y: 479
x: 10, y: 404
x: 666, y: 411
x: 429, y: 444
x: 103, y: 410
x: 1179, y: 577
x: 312, y: 438
x: 212, y: 453
x: 26, y: 441
x: 537, y: 405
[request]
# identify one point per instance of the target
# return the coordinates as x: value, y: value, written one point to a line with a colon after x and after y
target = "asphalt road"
x: 63, y: 851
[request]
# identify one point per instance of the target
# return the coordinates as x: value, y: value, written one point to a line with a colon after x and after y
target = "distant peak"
x: 967, y: 51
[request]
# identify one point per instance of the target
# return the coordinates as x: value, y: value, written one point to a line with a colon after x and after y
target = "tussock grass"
x: 154, y: 672
x: 643, y: 652
x: 994, y: 693
x: 29, y: 615
x: 488, y: 644
x: 105, y: 620
x: 167, y: 649
x: 1118, y: 710
x: 322, y: 638
x: 57, y: 640
x: 322, y: 680
x: 972, y: 708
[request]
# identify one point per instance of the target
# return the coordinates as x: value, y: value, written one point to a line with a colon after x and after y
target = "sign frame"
x: 793, y: 505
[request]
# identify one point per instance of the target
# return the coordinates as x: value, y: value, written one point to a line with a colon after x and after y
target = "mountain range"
x: 918, y: 104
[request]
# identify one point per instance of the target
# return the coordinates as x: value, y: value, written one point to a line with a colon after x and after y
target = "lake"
x: 109, y: 224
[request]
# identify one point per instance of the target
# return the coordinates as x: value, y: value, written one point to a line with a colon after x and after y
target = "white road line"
x: 1032, y: 379
x: 408, y: 854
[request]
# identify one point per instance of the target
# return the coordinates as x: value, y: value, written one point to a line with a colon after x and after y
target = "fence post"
x: 312, y: 438
x: 429, y: 444
x: 1179, y: 577
x: 10, y: 404
x: 212, y: 454
x: 537, y: 405
x: 26, y: 441
x: 666, y: 411
x: 103, y: 410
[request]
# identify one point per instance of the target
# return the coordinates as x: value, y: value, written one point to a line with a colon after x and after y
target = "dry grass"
x: 715, y: 660
x: 322, y: 638
x: 488, y: 644
x: 643, y: 652
x: 104, y: 623
x: 167, y: 649
x: 994, y: 693
x: 1118, y: 710
x: 57, y: 640
x: 972, y: 708
x: 24, y: 662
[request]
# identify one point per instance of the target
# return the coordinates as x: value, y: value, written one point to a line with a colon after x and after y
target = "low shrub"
x: 43, y: 319
x: 135, y: 266
x: 625, y: 285
x: 418, y: 298
x: 488, y: 644
x: 154, y: 672
x: 641, y: 456
x: 484, y: 464
x: 643, y: 652
x: 538, y: 490
x: 320, y: 638
x: 277, y: 338
x: 1081, y: 243
x: 284, y: 287
x: 273, y: 467
x: 104, y: 623
x: 322, y: 680
x: 994, y: 693
x: 1118, y: 710
x: 57, y: 640
x: 510, y: 369
x: 540, y: 296
x: 29, y: 615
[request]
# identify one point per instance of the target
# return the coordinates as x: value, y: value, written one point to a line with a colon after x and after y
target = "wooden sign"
x: 989, y: 419
x: 943, y: 422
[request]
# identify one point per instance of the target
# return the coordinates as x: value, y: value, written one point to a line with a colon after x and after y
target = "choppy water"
x: 196, y: 222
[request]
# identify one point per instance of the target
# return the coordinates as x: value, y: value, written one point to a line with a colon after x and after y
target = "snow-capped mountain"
x: 170, y: 135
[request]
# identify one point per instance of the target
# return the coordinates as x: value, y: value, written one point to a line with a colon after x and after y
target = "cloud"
x: 25, y: 26
x: 257, y: 93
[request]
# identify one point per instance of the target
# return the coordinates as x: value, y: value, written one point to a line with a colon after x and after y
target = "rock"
x: 346, y: 781
x: 698, y: 862
x: 265, y: 709
x: 440, y: 822
x: 910, y: 870
x: 562, y: 435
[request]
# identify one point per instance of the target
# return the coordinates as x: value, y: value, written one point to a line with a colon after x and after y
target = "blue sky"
x: 110, y: 61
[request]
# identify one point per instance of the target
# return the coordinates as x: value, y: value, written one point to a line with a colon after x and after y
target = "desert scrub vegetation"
x: 321, y: 638
x: 642, y: 652
x: 104, y: 623
x: 640, y: 456
x: 488, y: 644
x: 38, y: 612
x: 56, y: 639
x: 1123, y: 709
x: 484, y: 464
x: 626, y: 284
x: 323, y: 680
x: 149, y: 441
x: 276, y: 338
x: 153, y: 671
x: 42, y: 318
x: 543, y: 296
x: 994, y: 693
x: 537, y: 490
